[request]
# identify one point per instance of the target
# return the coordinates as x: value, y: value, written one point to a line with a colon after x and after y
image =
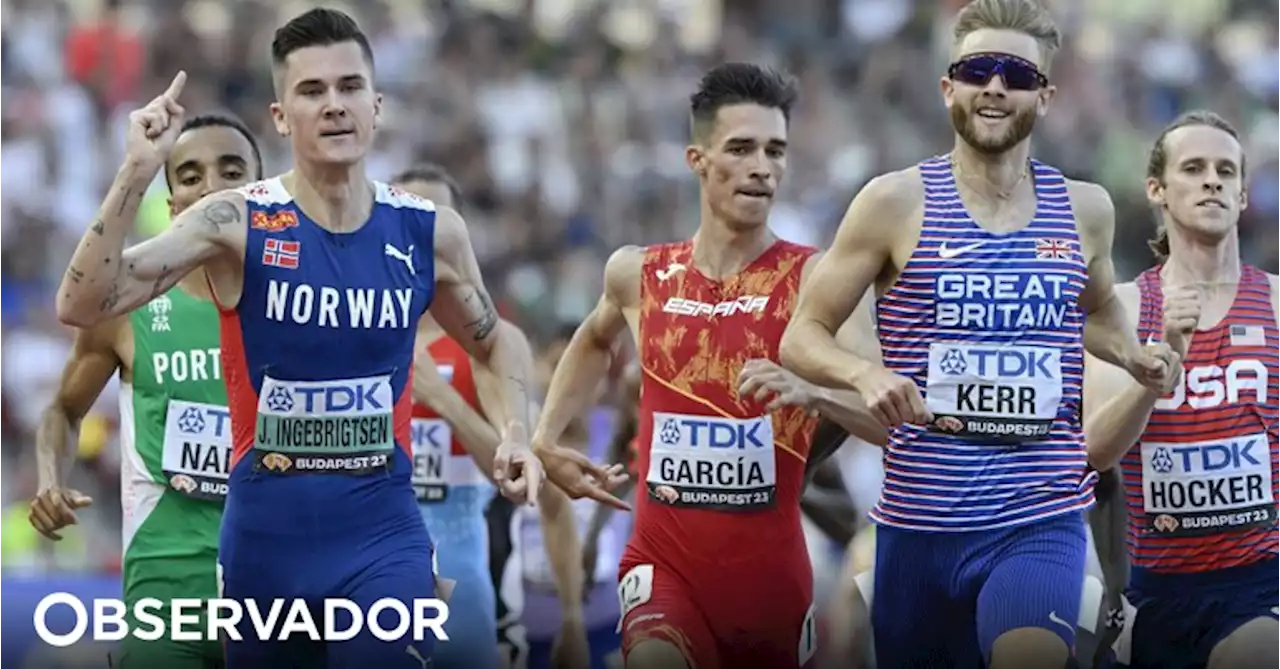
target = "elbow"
x: 70, y: 313
x: 789, y: 350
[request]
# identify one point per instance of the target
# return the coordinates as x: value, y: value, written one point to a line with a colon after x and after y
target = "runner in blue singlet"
x: 993, y: 274
x: 456, y: 400
x: 321, y: 277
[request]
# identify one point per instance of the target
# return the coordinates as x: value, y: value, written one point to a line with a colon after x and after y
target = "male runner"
x: 1200, y: 462
x: 175, y: 433
x: 724, y: 431
x: 986, y: 263
x: 318, y: 350
x: 454, y: 447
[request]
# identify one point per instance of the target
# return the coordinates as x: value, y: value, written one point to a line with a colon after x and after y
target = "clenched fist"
x: 1181, y: 316
x: 1157, y: 367
x: 762, y: 378
x: 892, y: 398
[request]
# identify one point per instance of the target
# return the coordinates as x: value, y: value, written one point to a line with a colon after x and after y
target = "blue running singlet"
x: 317, y: 359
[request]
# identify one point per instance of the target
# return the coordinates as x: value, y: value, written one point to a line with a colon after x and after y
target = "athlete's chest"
x: 175, y: 346
x: 378, y: 278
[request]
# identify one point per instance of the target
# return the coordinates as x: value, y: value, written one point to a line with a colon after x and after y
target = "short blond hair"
x: 1025, y: 16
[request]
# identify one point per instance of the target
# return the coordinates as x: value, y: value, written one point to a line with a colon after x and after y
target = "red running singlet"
x: 1201, y: 484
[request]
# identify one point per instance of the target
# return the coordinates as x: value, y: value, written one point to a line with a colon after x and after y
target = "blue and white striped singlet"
x: 989, y: 328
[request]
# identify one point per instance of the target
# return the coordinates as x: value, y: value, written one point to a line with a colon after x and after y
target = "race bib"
x: 1207, y: 487
x: 436, y: 468
x: 635, y: 589
x: 340, y: 426
x: 709, y: 462
x: 196, y: 455
x: 1006, y: 394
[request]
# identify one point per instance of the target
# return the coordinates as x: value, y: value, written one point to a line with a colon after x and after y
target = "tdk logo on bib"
x: 1004, y: 302
x: 1008, y: 393
x: 359, y: 396
x: 694, y: 432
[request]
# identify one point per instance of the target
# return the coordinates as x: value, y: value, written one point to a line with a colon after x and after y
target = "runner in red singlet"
x: 1200, y: 463
x: 716, y: 573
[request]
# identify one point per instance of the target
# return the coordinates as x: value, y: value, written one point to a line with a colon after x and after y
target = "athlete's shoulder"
x: 623, y: 270
x: 1091, y: 204
x: 263, y: 193
x: 398, y: 198
x: 887, y: 201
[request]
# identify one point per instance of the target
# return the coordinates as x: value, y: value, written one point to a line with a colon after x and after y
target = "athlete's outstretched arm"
x: 92, y: 364
x: 104, y: 279
x: 587, y: 357
x: 1109, y: 334
x: 462, y: 307
x: 837, y: 284
x: 559, y: 526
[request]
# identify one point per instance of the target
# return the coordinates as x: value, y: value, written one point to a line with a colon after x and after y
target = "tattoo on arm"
x: 124, y: 201
x: 483, y: 325
x: 74, y: 274
x: 112, y: 299
x: 158, y: 286
x: 99, y: 228
x: 221, y: 213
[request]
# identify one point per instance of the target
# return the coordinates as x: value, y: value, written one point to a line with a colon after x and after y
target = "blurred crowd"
x: 564, y: 121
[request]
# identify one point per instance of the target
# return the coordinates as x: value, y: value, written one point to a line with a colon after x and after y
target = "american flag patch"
x: 279, y: 253
x: 1248, y: 335
x: 1053, y: 249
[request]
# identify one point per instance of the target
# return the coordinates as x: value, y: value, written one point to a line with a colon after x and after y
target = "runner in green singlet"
x: 174, y: 426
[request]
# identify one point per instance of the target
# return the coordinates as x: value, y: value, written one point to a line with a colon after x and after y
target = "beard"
x: 965, y: 121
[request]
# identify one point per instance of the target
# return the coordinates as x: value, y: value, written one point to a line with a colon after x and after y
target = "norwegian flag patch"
x: 281, y: 253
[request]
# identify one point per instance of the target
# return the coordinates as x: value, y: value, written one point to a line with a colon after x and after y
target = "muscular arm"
x: 559, y: 525
x: 1108, y: 333
x: 462, y: 307
x: 587, y: 357
x: 105, y: 279
x: 1115, y: 406
x: 93, y: 362
x: 845, y: 407
x: 860, y: 253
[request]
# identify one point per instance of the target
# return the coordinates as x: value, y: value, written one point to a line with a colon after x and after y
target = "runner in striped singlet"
x: 986, y: 264
x: 1200, y: 463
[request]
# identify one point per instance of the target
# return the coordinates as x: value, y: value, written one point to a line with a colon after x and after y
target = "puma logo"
x: 406, y: 258
x: 670, y: 271
x: 424, y: 661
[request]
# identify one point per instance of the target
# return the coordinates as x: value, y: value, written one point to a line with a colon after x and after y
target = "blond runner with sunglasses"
x: 993, y: 275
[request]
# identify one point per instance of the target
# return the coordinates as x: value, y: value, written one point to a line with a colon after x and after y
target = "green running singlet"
x: 175, y: 436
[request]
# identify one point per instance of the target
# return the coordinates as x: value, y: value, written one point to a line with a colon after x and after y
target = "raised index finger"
x: 175, y: 87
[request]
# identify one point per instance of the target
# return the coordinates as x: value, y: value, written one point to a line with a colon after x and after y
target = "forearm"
x: 1109, y: 336
x: 511, y: 362
x: 1115, y: 427
x: 53, y: 445
x: 472, y: 430
x: 1107, y: 523
x: 583, y: 364
x: 810, y: 351
x: 564, y: 549
x: 846, y: 409
x: 89, y: 287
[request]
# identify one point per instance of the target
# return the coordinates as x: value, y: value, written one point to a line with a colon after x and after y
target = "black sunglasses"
x: 1018, y: 74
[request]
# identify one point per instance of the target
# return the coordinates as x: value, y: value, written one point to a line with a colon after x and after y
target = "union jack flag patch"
x: 280, y: 253
x: 1053, y: 249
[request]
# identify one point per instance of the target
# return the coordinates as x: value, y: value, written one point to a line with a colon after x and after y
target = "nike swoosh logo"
x: 1053, y: 618
x: 948, y: 253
